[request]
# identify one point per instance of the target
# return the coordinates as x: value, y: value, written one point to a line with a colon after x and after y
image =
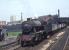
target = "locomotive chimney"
x: 29, y: 19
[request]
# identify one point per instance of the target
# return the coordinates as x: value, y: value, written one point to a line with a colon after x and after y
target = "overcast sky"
x: 32, y: 8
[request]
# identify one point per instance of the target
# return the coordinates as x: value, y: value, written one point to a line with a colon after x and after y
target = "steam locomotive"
x: 34, y: 30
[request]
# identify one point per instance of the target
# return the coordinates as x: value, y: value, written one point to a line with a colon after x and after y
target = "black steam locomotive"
x: 34, y: 30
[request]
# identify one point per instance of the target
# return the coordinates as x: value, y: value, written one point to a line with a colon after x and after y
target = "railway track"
x: 44, y: 45
x: 66, y: 47
x: 61, y: 43
x: 9, y: 45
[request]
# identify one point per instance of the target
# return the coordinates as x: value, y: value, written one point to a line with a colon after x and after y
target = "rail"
x: 9, y: 45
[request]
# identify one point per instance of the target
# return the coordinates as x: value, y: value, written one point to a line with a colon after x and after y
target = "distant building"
x: 14, y: 23
x: 2, y: 23
x: 12, y: 18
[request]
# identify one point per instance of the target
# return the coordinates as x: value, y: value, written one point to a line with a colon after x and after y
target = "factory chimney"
x: 58, y: 13
x: 21, y: 17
